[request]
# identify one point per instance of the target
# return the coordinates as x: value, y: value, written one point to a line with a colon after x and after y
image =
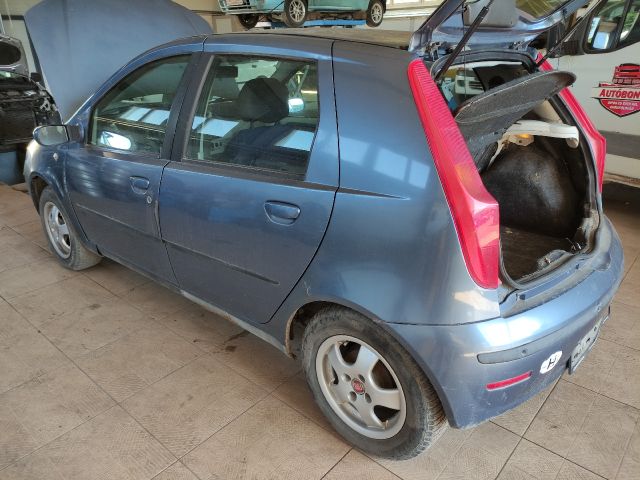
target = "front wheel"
x: 62, y: 237
x: 369, y: 387
x: 375, y: 12
x: 295, y: 13
x: 248, y: 20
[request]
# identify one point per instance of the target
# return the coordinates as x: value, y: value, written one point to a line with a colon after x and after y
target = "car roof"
x: 385, y: 38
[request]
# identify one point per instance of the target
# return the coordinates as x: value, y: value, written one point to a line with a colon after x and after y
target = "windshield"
x: 539, y: 8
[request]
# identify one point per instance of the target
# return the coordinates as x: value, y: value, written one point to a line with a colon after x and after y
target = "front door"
x: 114, y: 180
x: 245, y: 209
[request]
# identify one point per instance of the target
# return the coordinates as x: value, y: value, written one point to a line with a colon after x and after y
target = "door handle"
x: 139, y: 185
x: 281, y: 212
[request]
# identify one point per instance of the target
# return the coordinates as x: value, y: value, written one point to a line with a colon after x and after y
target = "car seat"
x: 264, y: 101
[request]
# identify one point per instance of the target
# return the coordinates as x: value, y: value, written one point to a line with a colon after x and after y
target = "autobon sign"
x: 621, y: 96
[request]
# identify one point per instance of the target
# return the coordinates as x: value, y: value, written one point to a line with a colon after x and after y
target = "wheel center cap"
x: 357, y: 386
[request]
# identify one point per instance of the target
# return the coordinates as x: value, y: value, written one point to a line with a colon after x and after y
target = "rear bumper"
x: 511, y: 346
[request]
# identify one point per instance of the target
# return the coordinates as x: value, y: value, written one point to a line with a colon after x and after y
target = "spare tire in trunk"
x: 534, y: 191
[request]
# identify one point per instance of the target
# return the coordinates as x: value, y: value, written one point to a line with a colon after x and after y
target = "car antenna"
x: 463, y: 41
x: 568, y: 33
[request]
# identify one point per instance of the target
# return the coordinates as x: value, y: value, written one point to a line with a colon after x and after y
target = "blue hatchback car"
x: 433, y: 253
x: 295, y: 12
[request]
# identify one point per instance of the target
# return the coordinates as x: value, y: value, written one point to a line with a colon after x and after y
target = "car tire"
x: 248, y: 20
x: 363, y: 380
x: 295, y: 13
x: 62, y: 237
x: 375, y: 13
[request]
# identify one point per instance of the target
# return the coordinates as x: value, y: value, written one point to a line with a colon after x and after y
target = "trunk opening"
x: 532, y: 159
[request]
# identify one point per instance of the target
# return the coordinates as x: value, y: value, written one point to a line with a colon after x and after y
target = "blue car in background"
x: 436, y: 256
x: 295, y: 12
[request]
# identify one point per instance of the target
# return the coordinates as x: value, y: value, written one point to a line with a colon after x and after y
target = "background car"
x: 24, y: 105
x: 295, y: 12
x: 604, y: 51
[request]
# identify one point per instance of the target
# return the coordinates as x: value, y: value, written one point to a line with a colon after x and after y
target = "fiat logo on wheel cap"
x: 357, y: 386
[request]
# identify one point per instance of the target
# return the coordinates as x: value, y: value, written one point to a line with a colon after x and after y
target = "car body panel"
x: 99, y: 186
x: 381, y: 179
x: 449, y: 353
x: 66, y: 34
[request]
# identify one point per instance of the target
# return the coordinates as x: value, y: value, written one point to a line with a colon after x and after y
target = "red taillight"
x: 596, y: 140
x: 508, y: 382
x: 475, y: 212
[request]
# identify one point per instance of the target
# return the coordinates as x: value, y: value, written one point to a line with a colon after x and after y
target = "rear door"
x: 248, y: 196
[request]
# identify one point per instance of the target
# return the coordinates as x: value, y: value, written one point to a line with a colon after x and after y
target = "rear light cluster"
x: 596, y: 140
x: 475, y: 212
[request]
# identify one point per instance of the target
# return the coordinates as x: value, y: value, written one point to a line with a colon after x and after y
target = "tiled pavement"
x: 106, y: 375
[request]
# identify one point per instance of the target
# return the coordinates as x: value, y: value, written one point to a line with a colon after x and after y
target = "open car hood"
x: 12, y: 57
x: 80, y: 44
x: 509, y: 23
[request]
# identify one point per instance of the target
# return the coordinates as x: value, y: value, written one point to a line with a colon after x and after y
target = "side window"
x: 133, y: 116
x: 256, y: 112
x: 615, y: 24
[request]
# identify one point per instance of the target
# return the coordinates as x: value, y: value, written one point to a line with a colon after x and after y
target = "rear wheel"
x: 295, y: 13
x: 375, y: 13
x: 368, y: 386
x: 63, y: 239
x: 248, y: 20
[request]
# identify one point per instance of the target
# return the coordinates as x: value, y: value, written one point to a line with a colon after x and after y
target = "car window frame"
x: 176, y: 106
x: 585, y: 37
x: 190, y: 106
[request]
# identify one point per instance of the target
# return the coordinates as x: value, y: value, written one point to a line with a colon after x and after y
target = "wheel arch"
x: 301, y: 317
x: 36, y: 185
x: 37, y: 182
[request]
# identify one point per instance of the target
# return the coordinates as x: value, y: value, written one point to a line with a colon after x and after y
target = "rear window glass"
x: 539, y: 8
x: 462, y: 82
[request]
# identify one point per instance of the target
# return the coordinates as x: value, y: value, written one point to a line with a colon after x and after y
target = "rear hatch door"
x: 509, y: 23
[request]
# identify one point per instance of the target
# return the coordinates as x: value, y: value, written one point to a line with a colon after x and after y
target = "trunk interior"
x: 532, y: 160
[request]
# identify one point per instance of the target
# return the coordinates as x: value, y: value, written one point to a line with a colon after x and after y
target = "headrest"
x: 225, y: 88
x: 263, y: 99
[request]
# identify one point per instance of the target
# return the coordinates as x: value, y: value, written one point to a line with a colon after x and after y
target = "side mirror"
x: 51, y: 135
x: 36, y: 77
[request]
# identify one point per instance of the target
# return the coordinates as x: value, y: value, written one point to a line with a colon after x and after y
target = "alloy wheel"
x: 361, y: 387
x: 376, y: 13
x: 297, y: 11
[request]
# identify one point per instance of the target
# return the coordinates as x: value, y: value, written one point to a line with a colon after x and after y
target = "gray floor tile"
x: 271, y: 440
x: 112, y: 446
x: 186, y: 407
